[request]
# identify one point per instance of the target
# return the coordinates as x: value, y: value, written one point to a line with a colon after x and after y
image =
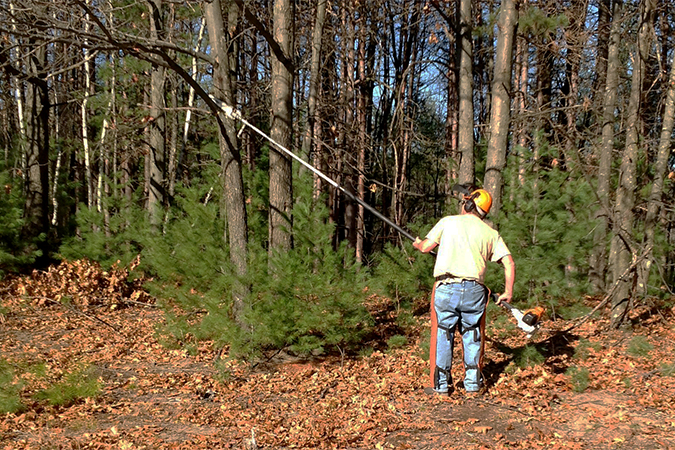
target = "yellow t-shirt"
x: 465, y: 244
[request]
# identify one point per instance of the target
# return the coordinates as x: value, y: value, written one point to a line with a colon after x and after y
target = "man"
x: 465, y: 244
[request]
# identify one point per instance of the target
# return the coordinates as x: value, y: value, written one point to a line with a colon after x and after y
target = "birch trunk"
x: 85, y: 121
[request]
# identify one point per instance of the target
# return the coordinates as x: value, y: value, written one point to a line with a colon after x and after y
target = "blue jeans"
x: 459, y: 304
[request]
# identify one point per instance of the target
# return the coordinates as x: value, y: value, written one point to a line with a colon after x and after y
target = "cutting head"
x: 529, y: 330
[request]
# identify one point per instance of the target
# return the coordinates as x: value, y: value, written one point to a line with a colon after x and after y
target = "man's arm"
x: 424, y: 246
x: 509, y: 278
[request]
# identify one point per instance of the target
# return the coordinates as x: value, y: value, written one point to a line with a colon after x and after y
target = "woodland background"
x: 115, y: 150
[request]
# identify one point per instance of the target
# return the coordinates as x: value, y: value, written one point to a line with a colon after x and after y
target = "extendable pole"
x: 234, y: 114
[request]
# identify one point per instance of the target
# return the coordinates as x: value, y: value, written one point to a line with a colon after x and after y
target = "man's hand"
x: 424, y: 246
x: 505, y: 297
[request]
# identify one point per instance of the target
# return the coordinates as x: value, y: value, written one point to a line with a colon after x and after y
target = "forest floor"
x: 592, y: 388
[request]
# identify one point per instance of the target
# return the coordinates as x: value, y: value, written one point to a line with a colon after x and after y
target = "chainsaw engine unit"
x: 532, y: 316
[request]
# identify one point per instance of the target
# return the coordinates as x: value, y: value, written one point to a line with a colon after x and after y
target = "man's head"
x: 479, y: 202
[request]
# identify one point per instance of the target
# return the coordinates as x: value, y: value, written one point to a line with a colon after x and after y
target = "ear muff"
x: 479, y: 201
x: 469, y: 204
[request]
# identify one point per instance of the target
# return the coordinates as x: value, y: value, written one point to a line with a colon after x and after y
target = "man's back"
x: 466, y: 243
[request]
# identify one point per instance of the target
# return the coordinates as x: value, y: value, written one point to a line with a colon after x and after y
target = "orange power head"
x: 532, y: 316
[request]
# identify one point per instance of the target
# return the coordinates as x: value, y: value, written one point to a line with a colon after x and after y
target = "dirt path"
x: 156, y: 397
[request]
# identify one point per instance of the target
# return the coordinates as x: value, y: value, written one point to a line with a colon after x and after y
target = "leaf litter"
x: 154, y: 397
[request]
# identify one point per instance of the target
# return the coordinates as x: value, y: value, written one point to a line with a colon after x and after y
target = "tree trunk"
x: 191, y: 94
x: 233, y: 185
x: 281, y: 98
x: 346, y: 105
x: 88, y: 169
x: 314, y: 79
x: 598, y: 263
x: 523, y: 129
x: 36, y: 206
x: 366, y: 61
x: 465, y: 93
x: 501, y: 105
x: 605, y: 14
x: 157, y: 125
x: 620, y: 251
x: 655, y: 202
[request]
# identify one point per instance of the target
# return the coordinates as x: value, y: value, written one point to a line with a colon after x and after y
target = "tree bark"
x: 621, y: 251
x: 465, y: 93
x: 314, y: 79
x: 501, y: 105
x: 281, y: 177
x: 233, y: 186
x: 523, y: 129
x: 655, y: 203
x: 598, y: 263
x: 157, y: 124
x: 36, y: 206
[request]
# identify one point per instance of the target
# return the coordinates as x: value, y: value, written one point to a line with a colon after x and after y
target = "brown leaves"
x: 83, y: 283
x: 155, y: 397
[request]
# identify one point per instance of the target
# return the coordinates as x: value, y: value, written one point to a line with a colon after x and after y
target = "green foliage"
x: 536, y: 21
x: 579, y: 378
x: 10, y: 389
x: 573, y: 310
x: 306, y: 299
x: 639, y: 346
x: 15, y: 252
x: 585, y: 348
x: 500, y: 322
x: 528, y: 356
x: 311, y: 296
x: 405, y: 318
x: 402, y: 273
x: 76, y: 385
x: 546, y: 226
x: 425, y: 345
x: 397, y: 341
x: 667, y: 370
x: 365, y: 352
x: 121, y: 238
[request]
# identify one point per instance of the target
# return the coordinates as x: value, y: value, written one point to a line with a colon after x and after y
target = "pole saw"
x: 527, y: 321
x: 232, y: 113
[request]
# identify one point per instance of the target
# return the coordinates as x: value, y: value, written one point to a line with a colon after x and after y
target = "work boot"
x: 433, y: 391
